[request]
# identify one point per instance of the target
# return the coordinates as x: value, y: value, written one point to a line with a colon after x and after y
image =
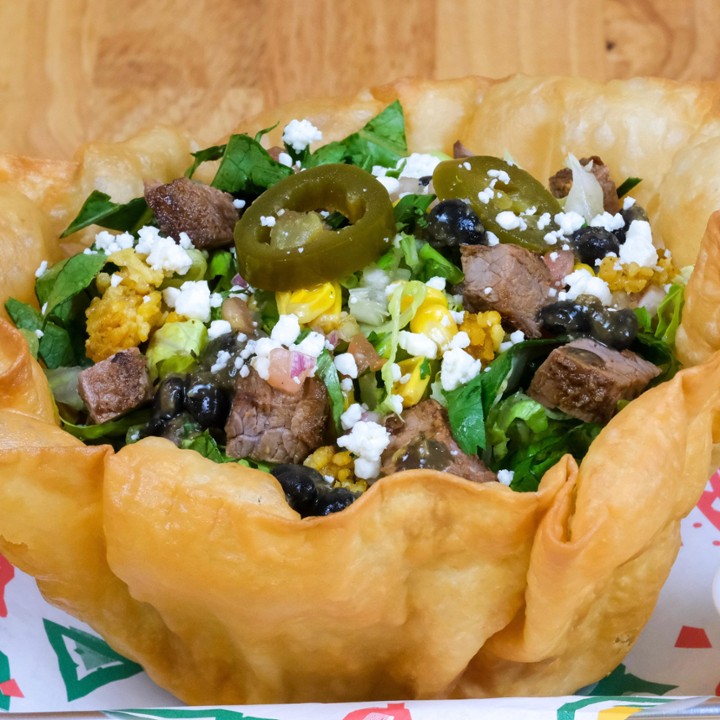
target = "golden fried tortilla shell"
x: 428, y: 585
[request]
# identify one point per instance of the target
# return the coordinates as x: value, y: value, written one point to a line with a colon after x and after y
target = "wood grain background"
x: 74, y: 70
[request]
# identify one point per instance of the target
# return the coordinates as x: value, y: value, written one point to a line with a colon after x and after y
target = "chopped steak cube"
x: 270, y: 425
x: 507, y: 278
x: 422, y: 439
x: 116, y: 385
x: 586, y: 379
x: 205, y: 213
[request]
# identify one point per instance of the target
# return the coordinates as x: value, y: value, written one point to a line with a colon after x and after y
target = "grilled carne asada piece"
x: 586, y: 379
x: 270, y: 425
x: 115, y: 385
x: 422, y: 440
x: 507, y: 278
x: 205, y: 213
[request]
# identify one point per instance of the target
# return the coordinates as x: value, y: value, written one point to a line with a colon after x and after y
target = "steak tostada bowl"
x: 421, y: 527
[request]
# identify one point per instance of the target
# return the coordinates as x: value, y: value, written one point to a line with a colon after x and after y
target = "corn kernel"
x: 584, y: 266
x: 485, y: 331
x: 310, y: 303
x: 434, y: 295
x: 414, y: 388
x: 435, y: 321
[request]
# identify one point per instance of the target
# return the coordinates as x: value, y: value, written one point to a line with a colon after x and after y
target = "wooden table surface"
x: 74, y: 70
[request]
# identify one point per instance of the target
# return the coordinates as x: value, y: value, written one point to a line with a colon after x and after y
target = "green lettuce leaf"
x: 410, y: 212
x: 205, y: 155
x: 175, y: 347
x: 247, y: 168
x: 327, y: 372
x: 112, y: 429
x: 466, y: 416
x: 381, y: 141
x: 99, y: 209
x: 68, y: 278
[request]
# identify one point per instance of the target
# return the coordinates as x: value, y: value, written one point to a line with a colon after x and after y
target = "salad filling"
x: 339, y: 314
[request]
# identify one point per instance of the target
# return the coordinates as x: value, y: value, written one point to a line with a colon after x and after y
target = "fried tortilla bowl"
x: 428, y: 585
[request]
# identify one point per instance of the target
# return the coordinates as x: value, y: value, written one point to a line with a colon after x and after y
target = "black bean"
x: 452, y: 223
x: 565, y: 317
x: 208, y: 403
x: 333, y: 500
x: 170, y: 396
x: 615, y: 328
x: 593, y: 243
x: 299, y: 483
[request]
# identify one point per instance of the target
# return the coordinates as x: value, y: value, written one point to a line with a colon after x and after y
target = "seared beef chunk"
x: 507, y: 278
x: 424, y: 441
x: 561, y: 182
x: 205, y: 213
x: 116, y: 385
x: 586, y: 379
x: 274, y: 426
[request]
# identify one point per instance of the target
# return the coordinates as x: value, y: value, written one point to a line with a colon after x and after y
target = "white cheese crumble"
x: 569, y: 222
x: 285, y: 159
x: 163, y: 253
x: 638, y: 246
x: 298, y: 134
x: 505, y: 476
x: 39, y: 333
x: 583, y: 282
x: 42, y: 269
x: 628, y: 202
x: 115, y: 279
x: 286, y: 329
x: 345, y: 364
x: 351, y: 416
x: 513, y: 339
x: 436, y: 282
x: 218, y: 328
x: 418, y: 165
x: 460, y: 340
x: 223, y: 358
x: 486, y: 195
x: 396, y: 403
x: 268, y: 220
x: 312, y: 344
x: 239, y: 204
x: 109, y: 243
x: 367, y: 440
x: 191, y: 299
x: 457, y: 368
x: 544, y: 220
x: 458, y: 316
x: 346, y: 385
x: 492, y: 238
x: 501, y: 175
x: 417, y: 344
x: 508, y: 220
x: 608, y: 221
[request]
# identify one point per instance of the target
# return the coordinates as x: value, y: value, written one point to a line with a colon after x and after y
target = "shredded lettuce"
x: 175, y: 347
x: 406, y: 298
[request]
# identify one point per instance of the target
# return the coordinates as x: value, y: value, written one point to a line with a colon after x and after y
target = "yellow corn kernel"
x: 348, y: 397
x: 486, y: 333
x: 310, y: 303
x: 583, y: 266
x: 435, y: 296
x: 414, y: 388
x: 435, y: 321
